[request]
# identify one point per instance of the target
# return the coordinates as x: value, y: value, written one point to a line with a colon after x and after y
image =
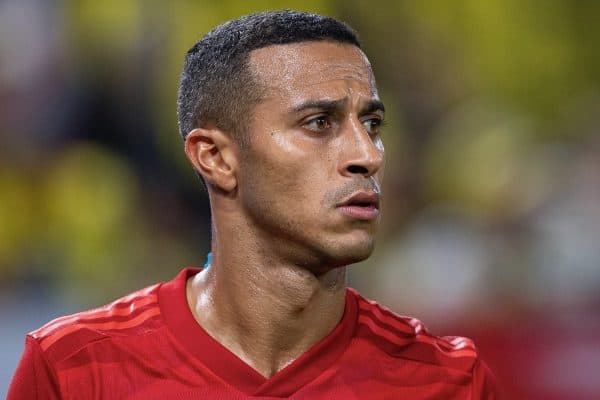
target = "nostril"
x: 357, y: 169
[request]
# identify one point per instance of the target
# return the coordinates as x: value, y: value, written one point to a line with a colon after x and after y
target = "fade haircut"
x: 217, y: 85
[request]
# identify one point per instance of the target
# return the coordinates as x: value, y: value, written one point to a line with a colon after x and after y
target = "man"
x: 281, y: 119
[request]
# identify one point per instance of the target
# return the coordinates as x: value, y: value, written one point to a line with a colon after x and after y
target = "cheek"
x: 270, y: 183
x: 290, y: 170
x: 379, y: 145
x: 294, y: 162
x: 381, y: 149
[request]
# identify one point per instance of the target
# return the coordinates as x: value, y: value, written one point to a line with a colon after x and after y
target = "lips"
x: 361, y: 205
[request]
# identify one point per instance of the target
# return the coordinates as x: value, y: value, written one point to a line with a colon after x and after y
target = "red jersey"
x: 149, y: 346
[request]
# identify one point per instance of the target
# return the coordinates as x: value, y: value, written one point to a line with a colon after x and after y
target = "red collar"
x: 182, y: 324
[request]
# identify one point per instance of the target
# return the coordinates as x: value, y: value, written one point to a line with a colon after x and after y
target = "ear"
x: 212, y: 153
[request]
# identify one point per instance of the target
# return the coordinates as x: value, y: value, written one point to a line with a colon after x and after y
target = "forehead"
x: 313, y: 67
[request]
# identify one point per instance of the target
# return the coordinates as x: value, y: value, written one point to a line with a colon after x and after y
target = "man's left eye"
x: 372, y: 125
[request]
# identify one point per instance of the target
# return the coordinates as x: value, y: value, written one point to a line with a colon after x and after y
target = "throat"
x: 267, y: 321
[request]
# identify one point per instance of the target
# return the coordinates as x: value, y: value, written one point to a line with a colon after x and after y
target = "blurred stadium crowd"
x: 491, y: 223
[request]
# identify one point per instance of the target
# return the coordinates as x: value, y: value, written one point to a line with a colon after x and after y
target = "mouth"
x: 361, y: 205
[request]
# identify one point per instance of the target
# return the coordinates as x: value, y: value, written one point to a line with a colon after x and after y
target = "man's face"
x: 309, y: 178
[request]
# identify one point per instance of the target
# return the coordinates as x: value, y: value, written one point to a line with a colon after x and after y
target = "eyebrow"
x: 332, y: 106
x: 374, y: 105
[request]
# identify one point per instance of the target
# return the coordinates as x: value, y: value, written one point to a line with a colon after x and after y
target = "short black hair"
x: 216, y: 83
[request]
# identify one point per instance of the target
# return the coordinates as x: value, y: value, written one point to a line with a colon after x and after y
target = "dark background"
x: 491, y: 224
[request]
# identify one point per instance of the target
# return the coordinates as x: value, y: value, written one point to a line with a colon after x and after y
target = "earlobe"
x: 212, y: 153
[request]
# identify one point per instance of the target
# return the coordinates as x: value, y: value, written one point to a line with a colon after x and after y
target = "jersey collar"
x: 199, y: 344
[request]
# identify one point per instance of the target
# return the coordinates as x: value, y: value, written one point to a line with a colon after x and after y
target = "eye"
x: 318, y: 124
x: 373, y: 125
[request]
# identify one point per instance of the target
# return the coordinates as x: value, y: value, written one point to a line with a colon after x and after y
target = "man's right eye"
x: 318, y: 124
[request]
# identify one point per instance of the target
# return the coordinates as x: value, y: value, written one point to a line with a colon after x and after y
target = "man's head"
x: 303, y: 185
x: 217, y: 87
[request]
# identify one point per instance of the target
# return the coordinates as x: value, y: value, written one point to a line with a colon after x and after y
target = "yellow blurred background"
x: 491, y: 223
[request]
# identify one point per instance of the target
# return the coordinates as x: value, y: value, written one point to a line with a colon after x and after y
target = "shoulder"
x: 134, y: 314
x: 407, y: 338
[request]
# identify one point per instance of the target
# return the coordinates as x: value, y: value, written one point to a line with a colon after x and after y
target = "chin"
x: 350, y: 253
x: 336, y: 255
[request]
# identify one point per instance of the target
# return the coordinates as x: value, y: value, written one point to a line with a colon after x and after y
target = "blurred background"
x: 491, y: 223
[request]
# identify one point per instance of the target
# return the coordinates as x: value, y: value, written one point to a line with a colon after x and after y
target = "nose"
x: 363, y: 153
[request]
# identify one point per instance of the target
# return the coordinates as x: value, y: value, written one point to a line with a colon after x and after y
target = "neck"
x: 265, y: 310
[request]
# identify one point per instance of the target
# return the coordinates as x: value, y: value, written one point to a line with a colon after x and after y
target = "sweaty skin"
x: 281, y: 236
